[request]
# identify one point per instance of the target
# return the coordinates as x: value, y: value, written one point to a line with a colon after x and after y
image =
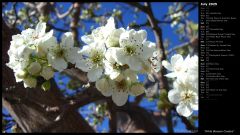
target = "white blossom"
x: 185, y: 86
x: 177, y: 66
x: 47, y: 72
x: 60, y: 54
x: 186, y: 96
x: 34, y: 68
x: 134, y: 49
x: 92, y: 60
x: 119, y: 90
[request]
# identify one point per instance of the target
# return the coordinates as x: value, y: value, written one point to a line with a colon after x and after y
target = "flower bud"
x: 30, y: 82
x: 46, y: 85
x: 21, y: 74
x: 47, y: 72
x: 34, y: 68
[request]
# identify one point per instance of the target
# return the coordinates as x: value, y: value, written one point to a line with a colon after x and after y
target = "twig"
x: 63, y: 15
x: 74, y: 23
x: 15, y: 12
x: 178, y: 47
x: 189, y: 126
x: 194, y: 5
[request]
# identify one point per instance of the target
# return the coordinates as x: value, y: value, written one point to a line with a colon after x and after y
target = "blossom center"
x: 122, y: 85
x: 96, y: 58
x: 120, y: 67
x: 178, y: 68
x: 60, y: 52
x: 129, y: 50
x: 187, y: 96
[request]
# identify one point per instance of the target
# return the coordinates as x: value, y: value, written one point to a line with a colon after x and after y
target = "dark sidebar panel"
x: 219, y: 67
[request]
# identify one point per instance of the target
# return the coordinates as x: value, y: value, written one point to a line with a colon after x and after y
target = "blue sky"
x: 159, y: 9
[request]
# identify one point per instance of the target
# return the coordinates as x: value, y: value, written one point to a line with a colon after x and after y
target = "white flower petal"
x: 184, y: 110
x: 57, y: 63
x: 110, y: 24
x: 167, y: 65
x: 174, y: 96
x: 137, y: 90
x: 88, y: 39
x: 85, y: 50
x: 130, y: 75
x: 119, y: 97
x: 113, y: 38
x: 194, y: 101
x: 134, y: 63
x: 104, y: 87
x: 46, y: 45
x: 24, y: 52
x: 34, y: 68
x: 114, y: 75
x: 177, y: 58
x: 47, y: 72
x: 194, y: 106
x: 147, y: 50
x: 40, y: 29
x: 119, y: 56
x: 94, y: 74
x: 67, y: 40
x: 83, y: 65
x: 142, y: 34
x: 109, y: 56
x: 171, y: 75
x: 72, y: 55
x: 30, y: 82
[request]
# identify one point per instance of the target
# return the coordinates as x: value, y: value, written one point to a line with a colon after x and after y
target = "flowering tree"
x: 104, y: 66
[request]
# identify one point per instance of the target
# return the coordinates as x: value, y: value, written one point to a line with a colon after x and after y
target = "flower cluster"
x: 185, y: 85
x: 113, y: 58
x: 35, y: 53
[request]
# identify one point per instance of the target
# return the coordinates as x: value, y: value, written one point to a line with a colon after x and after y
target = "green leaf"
x: 46, y: 85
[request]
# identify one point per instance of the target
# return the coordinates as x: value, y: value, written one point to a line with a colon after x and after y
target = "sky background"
x: 159, y: 10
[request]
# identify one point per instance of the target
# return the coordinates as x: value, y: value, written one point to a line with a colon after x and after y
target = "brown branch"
x: 189, y: 126
x: 113, y: 116
x: 74, y: 23
x: 15, y: 12
x: 89, y: 95
x: 132, y: 118
x: 76, y: 73
x: 163, y: 83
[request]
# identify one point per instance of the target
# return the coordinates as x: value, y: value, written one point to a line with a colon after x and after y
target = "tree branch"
x: 189, y: 126
x: 163, y: 83
x: 113, y: 116
x: 74, y: 23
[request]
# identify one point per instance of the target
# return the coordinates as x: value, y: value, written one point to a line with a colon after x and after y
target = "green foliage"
x: 46, y: 85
